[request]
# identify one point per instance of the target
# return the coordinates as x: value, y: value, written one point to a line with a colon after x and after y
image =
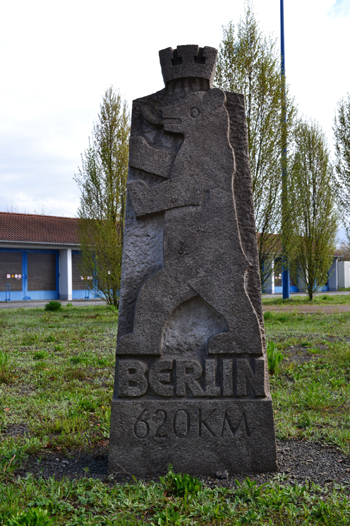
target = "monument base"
x: 199, y: 437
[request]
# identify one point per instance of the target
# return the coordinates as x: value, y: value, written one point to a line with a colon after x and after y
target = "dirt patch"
x: 298, y: 462
x: 16, y: 430
x: 299, y: 354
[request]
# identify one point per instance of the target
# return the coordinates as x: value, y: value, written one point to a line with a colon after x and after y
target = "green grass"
x: 91, y: 502
x: 59, y: 364
x: 56, y: 380
x: 311, y: 392
x: 319, y: 299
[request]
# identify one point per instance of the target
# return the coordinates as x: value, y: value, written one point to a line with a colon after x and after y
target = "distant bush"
x: 53, y: 305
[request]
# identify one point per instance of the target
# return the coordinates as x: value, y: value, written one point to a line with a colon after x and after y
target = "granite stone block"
x: 191, y: 384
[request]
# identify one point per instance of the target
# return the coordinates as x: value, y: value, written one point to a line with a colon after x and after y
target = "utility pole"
x: 285, y: 270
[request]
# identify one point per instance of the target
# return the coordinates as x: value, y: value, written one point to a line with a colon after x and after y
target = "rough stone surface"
x: 197, y: 437
x: 191, y: 385
x: 188, y: 61
x: 298, y: 462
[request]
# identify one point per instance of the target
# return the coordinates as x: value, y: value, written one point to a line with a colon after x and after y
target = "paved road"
x: 333, y: 293
x: 307, y: 309
x: 42, y: 303
x: 301, y: 308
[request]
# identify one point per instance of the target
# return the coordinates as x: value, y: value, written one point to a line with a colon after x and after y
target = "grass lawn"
x: 56, y: 381
x: 319, y: 299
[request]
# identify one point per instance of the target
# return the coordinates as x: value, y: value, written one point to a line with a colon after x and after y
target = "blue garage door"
x: 28, y: 274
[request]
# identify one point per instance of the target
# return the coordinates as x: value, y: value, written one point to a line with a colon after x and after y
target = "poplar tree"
x: 314, y: 220
x: 102, y: 182
x: 341, y: 131
x: 249, y: 63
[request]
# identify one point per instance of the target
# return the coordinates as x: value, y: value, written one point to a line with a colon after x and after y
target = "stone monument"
x: 191, y: 380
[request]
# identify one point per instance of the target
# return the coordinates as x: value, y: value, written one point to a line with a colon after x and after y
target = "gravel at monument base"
x: 299, y: 462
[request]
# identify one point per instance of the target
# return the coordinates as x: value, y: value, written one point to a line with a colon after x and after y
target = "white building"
x: 344, y: 274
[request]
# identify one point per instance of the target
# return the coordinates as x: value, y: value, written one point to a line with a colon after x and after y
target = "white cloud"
x: 57, y: 59
x: 340, y: 8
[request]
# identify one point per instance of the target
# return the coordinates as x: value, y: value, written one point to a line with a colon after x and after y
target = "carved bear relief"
x: 202, y: 251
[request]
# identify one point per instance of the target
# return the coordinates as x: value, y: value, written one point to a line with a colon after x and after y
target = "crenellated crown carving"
x: 188, y: 61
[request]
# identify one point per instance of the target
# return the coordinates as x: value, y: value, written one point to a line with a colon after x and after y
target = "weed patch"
x: 40, y: 355
x: 179, y: 484
x: 274, y: 357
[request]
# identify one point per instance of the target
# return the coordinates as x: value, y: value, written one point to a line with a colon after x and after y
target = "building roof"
x: 32, y: 228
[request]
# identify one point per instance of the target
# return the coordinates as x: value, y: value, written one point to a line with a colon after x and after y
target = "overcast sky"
x: 57, y: 59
